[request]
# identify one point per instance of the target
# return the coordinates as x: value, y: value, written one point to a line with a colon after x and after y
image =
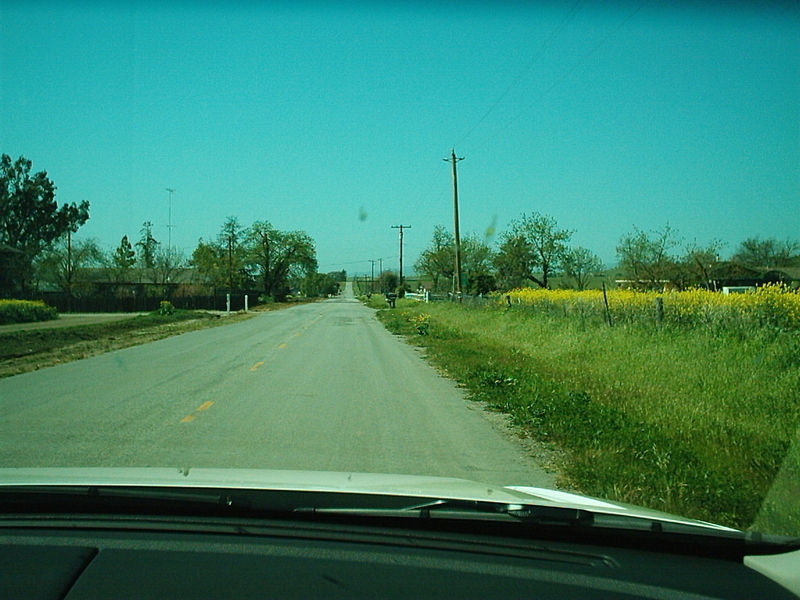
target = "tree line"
x: 37, y: 248
x: 535, y: 249
x: 264, y: 258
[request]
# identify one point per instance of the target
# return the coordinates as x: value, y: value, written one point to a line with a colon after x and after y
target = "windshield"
x: 533, y: 244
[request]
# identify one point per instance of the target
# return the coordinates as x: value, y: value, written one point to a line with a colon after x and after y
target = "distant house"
x: 103, y: 277
x: 726, y: 274
x: 104, y: 290
x: 732, y: 274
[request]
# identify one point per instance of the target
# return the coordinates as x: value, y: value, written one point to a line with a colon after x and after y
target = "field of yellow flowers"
x: 768, y: 306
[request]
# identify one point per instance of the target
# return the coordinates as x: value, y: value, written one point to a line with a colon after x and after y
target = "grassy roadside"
x: 375, y: 301
x: 679, y: 420
x: 24, y: 351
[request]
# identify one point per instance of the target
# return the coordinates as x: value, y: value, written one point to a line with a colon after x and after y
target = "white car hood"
x: 330, y: 481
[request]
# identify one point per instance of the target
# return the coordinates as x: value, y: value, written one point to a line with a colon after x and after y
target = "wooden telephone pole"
x: 401, y: 228
x: 456, y: 233
x: 372, y: 277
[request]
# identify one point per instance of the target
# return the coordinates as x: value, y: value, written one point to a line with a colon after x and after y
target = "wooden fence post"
x: 659, y: 303
x: 605, y: 301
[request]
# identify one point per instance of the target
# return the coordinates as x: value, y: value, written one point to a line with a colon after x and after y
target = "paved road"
x: 320, y: 386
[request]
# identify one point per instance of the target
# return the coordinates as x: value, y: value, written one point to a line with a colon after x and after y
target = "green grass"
x: 374, y: 301
x: 37, y: 341
x: 680, y: 420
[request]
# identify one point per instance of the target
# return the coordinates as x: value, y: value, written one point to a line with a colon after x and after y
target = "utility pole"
x: 169, y: 221
x: 401, y: 228
x: 372, y: 278
x: 69, y: 270
x: 456, y: 233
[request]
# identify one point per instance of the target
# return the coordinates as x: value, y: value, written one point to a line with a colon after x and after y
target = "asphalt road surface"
x: 320, y: 386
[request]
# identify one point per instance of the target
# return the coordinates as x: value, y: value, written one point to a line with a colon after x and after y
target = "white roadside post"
x: 246, y: 299
x: 228, y: 303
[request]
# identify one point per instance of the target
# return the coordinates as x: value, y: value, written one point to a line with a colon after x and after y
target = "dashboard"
x: 145, y: 556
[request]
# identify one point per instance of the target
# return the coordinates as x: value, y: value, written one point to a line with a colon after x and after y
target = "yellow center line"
x: 193, y: 416
x: 283, y: 345
x: 255, y: 366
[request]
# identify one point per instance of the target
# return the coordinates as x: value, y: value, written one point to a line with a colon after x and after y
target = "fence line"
x: 771, y: 306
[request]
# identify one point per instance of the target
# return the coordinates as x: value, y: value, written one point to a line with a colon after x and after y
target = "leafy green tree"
x: 148, y: 245
x: 513, y: 262
x: 120, y: 264
x: 278, y: 257
x: 437, y: 261
x: 222, y: 262
x: 319, y: 284
x: 30, y: 220
x: 531, y: 250
x: 769, y: 253
x: 208, y: 259
x: 124, y: 256
x: 647, y: 259
x: 580, y: 263
x: 230, y: 243
x: 477, y: 265
x: 388, y: 281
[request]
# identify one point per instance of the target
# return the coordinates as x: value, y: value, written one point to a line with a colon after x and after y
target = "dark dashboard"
x: 145, y: 556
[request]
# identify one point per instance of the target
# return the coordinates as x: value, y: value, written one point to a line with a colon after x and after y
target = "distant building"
x: 731, y: 274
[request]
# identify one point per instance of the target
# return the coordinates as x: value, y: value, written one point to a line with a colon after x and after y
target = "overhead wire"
x: 542, y: 49
x: 565, y: 75
x: 574, y: 10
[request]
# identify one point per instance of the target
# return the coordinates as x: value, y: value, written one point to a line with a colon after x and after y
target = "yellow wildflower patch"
x: 767, y: 306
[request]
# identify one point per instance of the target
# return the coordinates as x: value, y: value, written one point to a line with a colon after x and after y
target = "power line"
x: 569, y: 72
x: 545, y: 45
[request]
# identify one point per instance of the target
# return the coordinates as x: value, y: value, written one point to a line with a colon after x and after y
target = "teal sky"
x: 334, y: 118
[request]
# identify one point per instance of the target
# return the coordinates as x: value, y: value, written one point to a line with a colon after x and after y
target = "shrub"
x: 25, y: 311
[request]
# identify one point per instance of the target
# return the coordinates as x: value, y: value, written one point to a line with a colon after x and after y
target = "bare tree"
x: 769, y: 253
x: 646, y: 259
x: 579, y: 264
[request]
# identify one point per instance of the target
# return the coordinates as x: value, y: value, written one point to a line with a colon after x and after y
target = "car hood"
x: 416, y: 486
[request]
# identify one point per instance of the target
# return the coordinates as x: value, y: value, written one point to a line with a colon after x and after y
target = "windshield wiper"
x: 548, y: 516
x: 471, y: 509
